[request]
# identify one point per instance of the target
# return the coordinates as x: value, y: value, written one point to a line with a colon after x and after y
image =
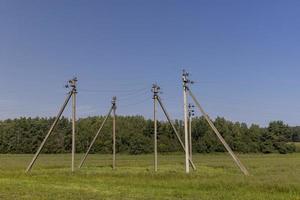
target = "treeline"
x: 135, y: 136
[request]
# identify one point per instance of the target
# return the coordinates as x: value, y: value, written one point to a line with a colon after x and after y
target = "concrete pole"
x: 155, y: 134
x: 49, y: 132
x: 185, y: 81
x: 155, y: 89
x: 114, y: 131
x: 174, y: 129
x: 190, y: 136
x: 186, y: 138
x: 73, y: 126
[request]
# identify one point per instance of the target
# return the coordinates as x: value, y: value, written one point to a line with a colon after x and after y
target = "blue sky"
x: 243, y: 55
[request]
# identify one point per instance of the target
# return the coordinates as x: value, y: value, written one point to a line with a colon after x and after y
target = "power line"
x: 124, y: 97
x: 136, y: 103
x: 113, y: 91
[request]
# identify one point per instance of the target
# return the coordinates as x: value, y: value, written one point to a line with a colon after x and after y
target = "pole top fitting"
x: 185, y: 79
x: 114, y: 99
x: 113, y: 102
x: 155, y: 89
x: 72, y: 84
x: 185, y: 76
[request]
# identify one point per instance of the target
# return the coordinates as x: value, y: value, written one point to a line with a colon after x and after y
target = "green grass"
x: 272, y: 177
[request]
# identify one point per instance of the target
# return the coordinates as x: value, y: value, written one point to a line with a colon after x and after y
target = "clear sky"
x: 243, y: 55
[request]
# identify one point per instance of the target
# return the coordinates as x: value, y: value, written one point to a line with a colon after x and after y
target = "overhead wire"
x: 135, y: 103
x: 127, y: 96
x: 111, y: 91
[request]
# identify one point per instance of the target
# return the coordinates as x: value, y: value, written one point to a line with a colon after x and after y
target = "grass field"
x: 272, y: 177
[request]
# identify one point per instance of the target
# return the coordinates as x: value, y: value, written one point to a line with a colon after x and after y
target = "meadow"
x: 273, y: 176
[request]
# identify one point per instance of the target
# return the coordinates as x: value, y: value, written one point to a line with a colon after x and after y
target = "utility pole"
x: 220, y: 137
x: 96, y: 136
x: 113, y: 102
x: 173, y: 127
x: 155, y: 90
x: 185, y: 82
x: 70, y: 94
x: 191, y: 114
x: 73, y: 85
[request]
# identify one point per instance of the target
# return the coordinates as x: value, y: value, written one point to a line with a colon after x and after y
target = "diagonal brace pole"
x: 176, y: 132
x: 227, y: 147
x: 97, y: 134
x: 49, y: 132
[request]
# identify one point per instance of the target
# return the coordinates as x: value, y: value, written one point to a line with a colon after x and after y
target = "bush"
x: 140, y: 145
x: 267, y: 147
